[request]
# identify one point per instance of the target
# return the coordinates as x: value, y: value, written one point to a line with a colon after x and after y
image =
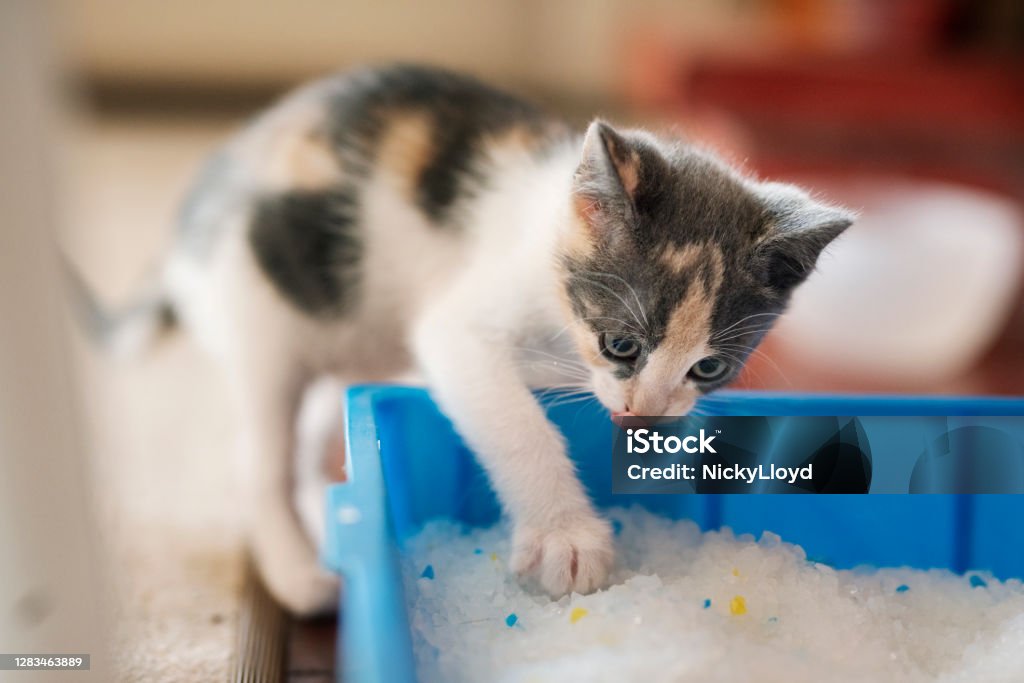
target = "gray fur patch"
x: 685, y: 201
x: 200, y: 217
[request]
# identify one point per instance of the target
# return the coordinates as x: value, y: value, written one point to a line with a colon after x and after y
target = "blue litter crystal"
x: 707, y: 603
x: 902, y: 588
x: 478, y: 551
x: 428, y: 572
x: 511, y: 620
x: 616, y: 527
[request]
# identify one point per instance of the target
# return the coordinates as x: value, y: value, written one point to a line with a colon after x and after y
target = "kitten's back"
x: 312, y: 184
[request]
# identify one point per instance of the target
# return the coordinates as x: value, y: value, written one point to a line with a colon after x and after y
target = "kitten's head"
x: 675, y: 266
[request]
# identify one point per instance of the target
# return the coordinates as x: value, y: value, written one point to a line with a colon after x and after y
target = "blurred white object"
x: 52, y: 594
x: 916, y: 290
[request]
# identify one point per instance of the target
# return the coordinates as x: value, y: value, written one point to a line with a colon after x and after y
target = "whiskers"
x: 729, y: 344
x: 564, y: 395
x: 534, y: 358
x: 758, y: 323
x: 638, y: 313
x: 571, y: 377
x: 622, y: 325
x: 698, y: 410
x: 739, y: 353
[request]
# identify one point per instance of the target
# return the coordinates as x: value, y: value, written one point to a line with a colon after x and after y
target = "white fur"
x: 319, y: 431
x: 461, y: 309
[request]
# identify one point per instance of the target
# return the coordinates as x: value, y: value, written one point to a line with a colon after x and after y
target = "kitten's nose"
x: 626, y: 416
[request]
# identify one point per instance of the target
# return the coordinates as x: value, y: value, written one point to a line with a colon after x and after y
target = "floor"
x: 159, y: 427
x: 310, y: 653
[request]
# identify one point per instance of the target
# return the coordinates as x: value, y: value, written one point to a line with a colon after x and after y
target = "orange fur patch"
x: 289, y: 150
x: 518, y: 138
x: 680, y: 259
x: 689, y: 325
x: 629, y: 171
x: 311, y: 163
x: 579, y: 240
x: 407, y: 148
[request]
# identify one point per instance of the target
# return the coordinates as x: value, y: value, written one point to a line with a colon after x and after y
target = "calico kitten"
x: 406, y: 217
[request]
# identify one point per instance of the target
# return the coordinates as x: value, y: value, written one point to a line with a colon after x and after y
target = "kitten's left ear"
x: 606, y: 180
x: 610, y: 156
x: 799, y: 229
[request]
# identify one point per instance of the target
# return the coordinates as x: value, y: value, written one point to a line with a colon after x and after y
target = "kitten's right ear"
x: 799, y: 230
x: 606, y: 180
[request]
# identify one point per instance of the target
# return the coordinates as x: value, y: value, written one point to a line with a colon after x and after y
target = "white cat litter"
x: 690, y: 606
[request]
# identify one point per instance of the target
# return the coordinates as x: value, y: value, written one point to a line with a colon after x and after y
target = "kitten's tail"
x: 123, y: 332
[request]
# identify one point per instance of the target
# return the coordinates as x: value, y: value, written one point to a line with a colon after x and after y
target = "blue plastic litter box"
x: 406, y: 466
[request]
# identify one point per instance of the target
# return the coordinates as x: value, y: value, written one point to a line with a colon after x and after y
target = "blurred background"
x: 909, y: 111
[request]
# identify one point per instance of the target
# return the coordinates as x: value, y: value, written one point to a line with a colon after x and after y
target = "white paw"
x: 305, y: 594
x: 572, y: 555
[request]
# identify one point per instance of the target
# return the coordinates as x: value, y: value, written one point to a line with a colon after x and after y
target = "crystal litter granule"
x: 669, y: 615
x: 738, y: 606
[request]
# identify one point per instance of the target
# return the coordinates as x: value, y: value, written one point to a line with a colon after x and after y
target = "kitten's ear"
x: 609, y: 157
x: 606, y: 179
x: 799, y: 229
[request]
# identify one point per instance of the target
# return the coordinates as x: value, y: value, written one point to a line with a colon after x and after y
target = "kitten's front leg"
x: 557, y: 535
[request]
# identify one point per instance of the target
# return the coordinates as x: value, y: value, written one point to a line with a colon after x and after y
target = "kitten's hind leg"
x: 320, y: 452
x: 269, y: 394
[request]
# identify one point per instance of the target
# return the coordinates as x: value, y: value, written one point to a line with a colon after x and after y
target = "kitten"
x: 406, y: 217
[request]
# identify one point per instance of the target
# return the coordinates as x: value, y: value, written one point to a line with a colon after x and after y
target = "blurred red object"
x: 958, y: 119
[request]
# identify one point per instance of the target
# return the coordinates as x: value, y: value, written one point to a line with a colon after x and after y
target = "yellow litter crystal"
x: 738, y: 606
x: 577, y: 614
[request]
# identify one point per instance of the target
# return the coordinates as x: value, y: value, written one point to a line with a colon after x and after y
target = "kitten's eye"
x: 708, y: 369
x: 619, y: 348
